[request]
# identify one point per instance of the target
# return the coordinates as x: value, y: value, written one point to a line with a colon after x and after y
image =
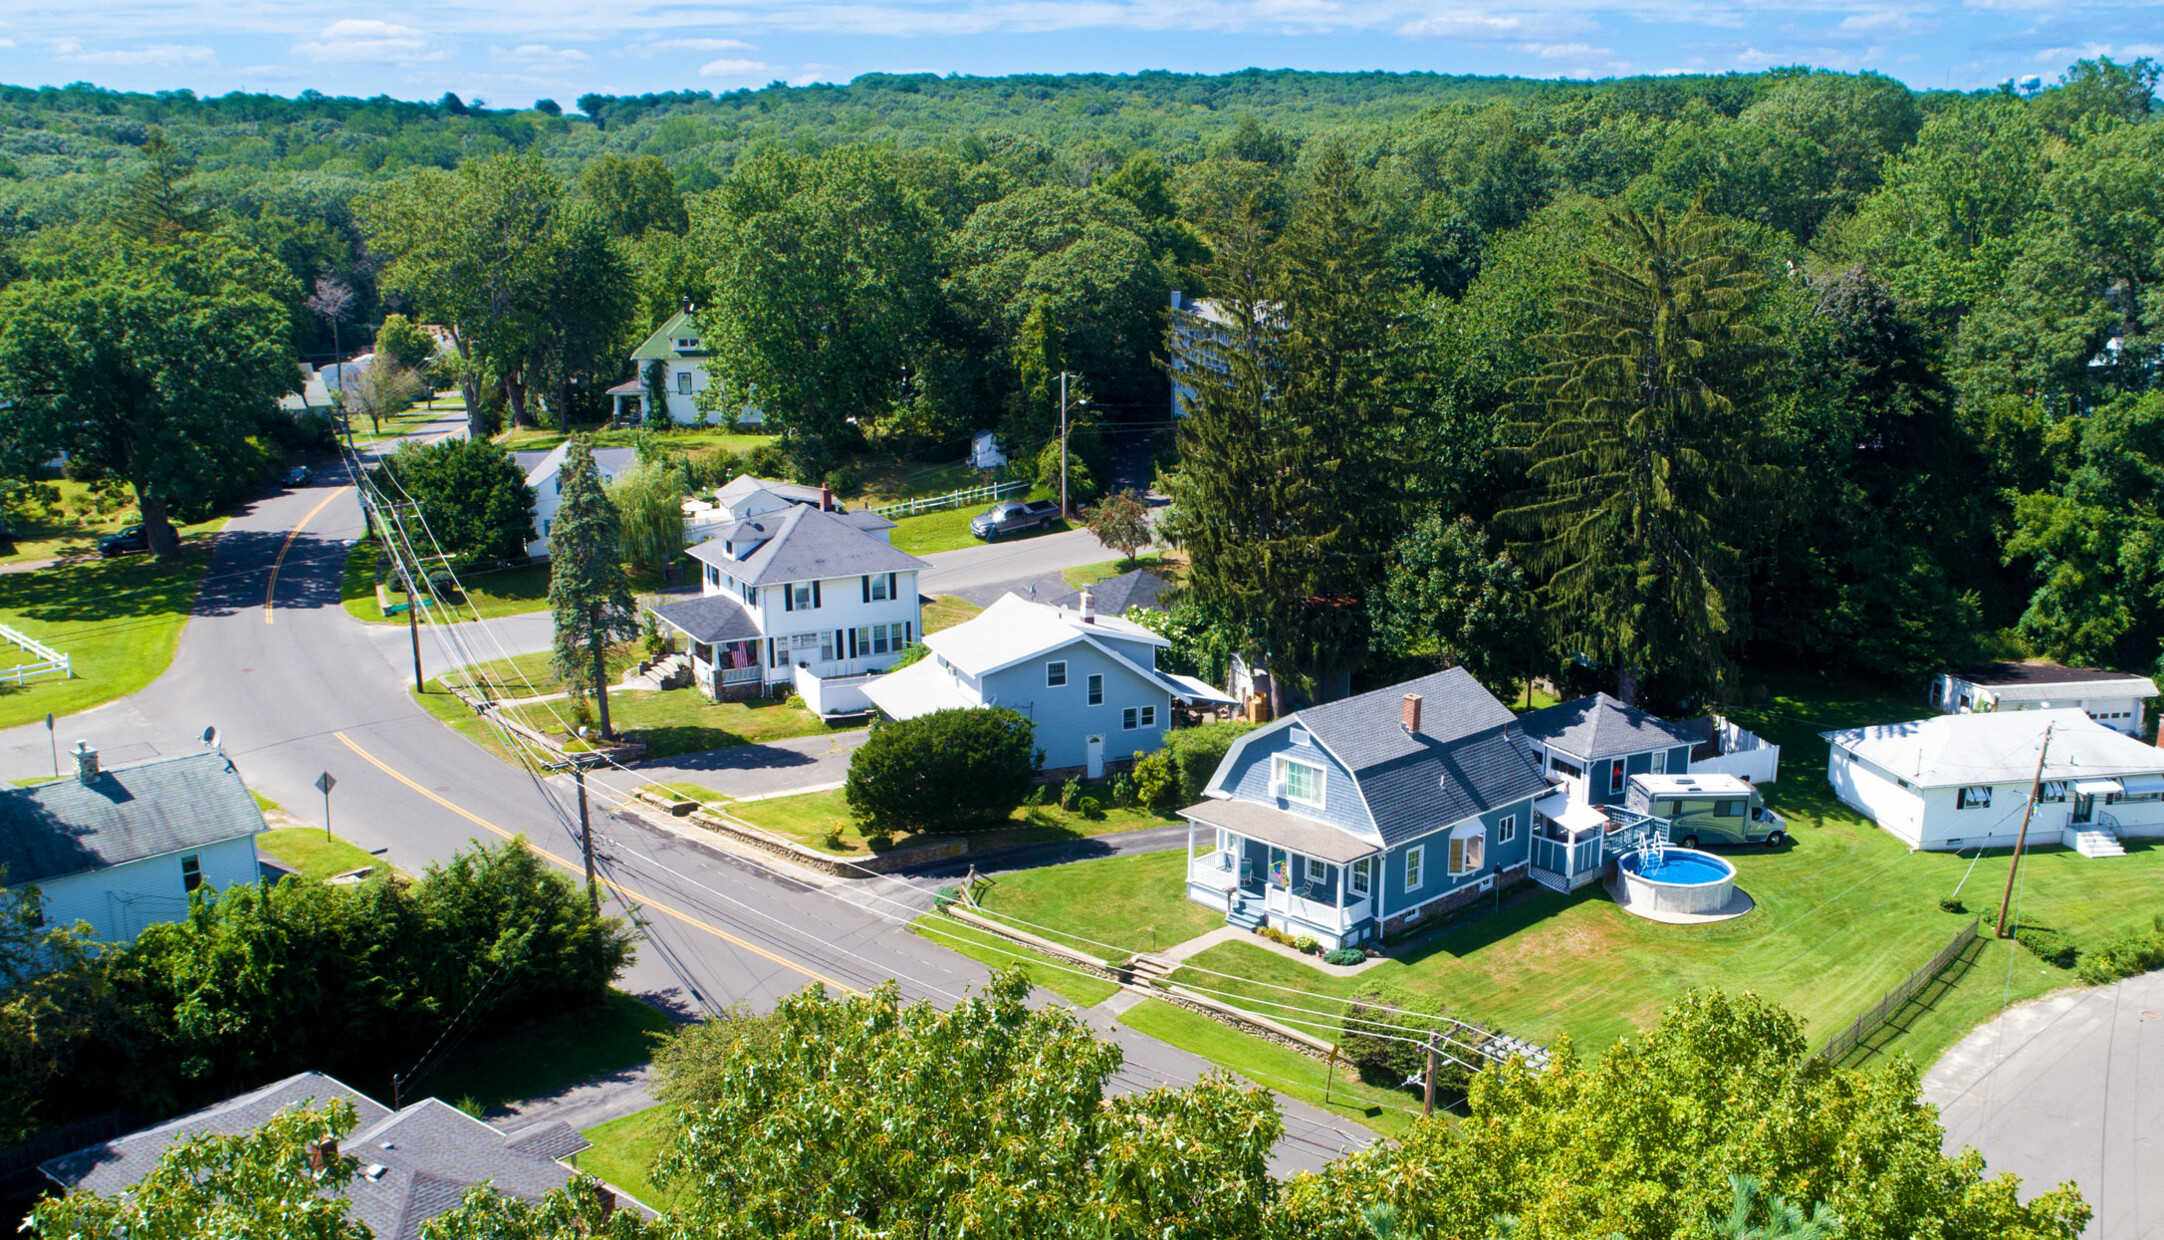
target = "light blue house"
x: 1361, y: 817
x: 1595, y: 744
x: 1089, y: 683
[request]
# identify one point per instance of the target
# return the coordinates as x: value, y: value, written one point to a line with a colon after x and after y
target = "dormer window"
x: 687, y: 344
x: 1297, y: 781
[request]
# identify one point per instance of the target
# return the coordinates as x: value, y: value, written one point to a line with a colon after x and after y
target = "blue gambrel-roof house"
x: 1360, y: 817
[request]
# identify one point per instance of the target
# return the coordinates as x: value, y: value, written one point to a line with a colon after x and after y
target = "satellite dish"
x: 210, y: 737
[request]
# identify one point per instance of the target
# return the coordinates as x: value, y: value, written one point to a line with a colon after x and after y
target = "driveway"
x: 954, y: 572
x: 2069, y: 1088
x: 798, y: 764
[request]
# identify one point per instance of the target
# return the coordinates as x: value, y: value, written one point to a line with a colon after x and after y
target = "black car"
x: 298, y: 476
x: 130, y: 539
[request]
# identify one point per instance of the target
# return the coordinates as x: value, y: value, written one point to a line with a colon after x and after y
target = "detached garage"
x: 1963, y: 781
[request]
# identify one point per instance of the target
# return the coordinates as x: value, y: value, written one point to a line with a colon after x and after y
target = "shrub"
x: 1069, y: 791
x: 1344, y: 955
x: 1952, y: 904
x: 964, y: 770
x: 1123, y: 791
x: 832, y: 840
x: 1306, y: 943
x: 2049, y: 946
x: 843, y: 479
x: 1037, y: 794
x: 879, y: 841
x: 946, y: 896
x: 1371, y: 1042
x: 1195, y: 753
x: 1157, y: 780
x: 2125, y: 957
x: 1090, y: 807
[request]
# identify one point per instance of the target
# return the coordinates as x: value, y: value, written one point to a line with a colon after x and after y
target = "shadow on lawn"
x: 1921, y: 1004
x: 125, y: 587
x: 1486, y: 927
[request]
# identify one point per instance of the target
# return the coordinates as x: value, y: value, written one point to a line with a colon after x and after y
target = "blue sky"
x: 510, y: 52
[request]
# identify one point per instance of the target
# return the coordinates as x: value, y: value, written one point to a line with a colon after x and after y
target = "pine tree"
x: 161, y: 207
x: 1641, y: 461
x: 589, y: 595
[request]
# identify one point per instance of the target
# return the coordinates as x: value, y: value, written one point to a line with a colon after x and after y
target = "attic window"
x: 1298, y: 736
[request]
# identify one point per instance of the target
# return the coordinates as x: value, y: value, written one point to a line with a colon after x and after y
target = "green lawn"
x: 688, y: 440
x: 686, y: 792
x: 624, y: 1151
x: 1079, y: 988
x: 946, y: 611
x: 489, y: 592
x: 408, y: 420
x: 1131, y: 902
x: 1171, y: 569
x: 307, y: 851
x: 949, y: 531
x: 71, y: 525
x: 891, y: 480
x: 682, y: 721
x: 807, y: 817
x: 1387, y: 1111
x: 543, y: 1056
x: 531, y: 675
x: 119, y: 621
x: 459, y: 717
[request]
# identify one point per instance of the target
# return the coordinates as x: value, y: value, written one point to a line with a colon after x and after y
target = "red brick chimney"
x: 826, y: 498
x: 1411, y: 717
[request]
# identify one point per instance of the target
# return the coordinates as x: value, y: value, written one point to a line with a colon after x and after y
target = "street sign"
x: 324, y: 783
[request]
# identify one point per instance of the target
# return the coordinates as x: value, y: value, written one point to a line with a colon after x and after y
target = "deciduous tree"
x: 1121, y: 520
x: 475, y: 500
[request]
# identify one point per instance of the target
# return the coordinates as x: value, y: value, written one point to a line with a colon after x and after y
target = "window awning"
x: 2098, y: 787
x: 1189, y: 689
x: 2133, y: 785
x: 1576, y: 817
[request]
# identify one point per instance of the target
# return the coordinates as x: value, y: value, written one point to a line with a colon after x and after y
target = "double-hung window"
x: 1298, y: 781
x: 191, y: 871
x: 1506, y: 829
x: 1660, y: 762
x: 1149, y: 716
x: 1360, y: 875
x: 1127, y: 719
x: 1977, y: 797
x: 804, y: 596
x: 1615, y: 777
x: 683, y: 383
x: 1414, y: 857
x: 1096, y: 689
x: 875, y: 588
x: 1055, y: 673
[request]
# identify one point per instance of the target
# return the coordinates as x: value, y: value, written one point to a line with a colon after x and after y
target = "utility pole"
x: 54, y: 742
x: 1328, y: 1072
x: 2006, y: 902
x: 1063, y: 443
x: 586, y: 834
x: 1427, y: 1101
x: 413, y: 632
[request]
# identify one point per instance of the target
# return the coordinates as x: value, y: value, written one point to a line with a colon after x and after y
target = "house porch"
x: 1299, y: 876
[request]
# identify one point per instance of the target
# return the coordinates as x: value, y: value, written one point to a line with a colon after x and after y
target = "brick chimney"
x: 607, y: 1199
x: 1089, y: 607
x: 826, y: 498
x: 1411, y: 716
x: 86, y: 762
x: 322, y: 1154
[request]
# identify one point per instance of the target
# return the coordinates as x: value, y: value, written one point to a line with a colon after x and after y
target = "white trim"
x: 1278, y: 765
x: 1416, y: 860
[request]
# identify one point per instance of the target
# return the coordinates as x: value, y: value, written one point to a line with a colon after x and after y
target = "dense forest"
x: 1668, y: 378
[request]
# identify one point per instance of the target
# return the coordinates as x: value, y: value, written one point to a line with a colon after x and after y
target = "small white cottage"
x: 2118, y: 700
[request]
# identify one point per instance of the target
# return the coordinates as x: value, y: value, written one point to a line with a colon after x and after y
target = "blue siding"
x: 1065, y: 720
x: 1597, y: 774
x: 1435, y: 878
x: 1249, y: 780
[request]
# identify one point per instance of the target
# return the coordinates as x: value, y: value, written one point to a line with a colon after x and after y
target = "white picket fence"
x: 49, y: 659
x: 953, y: 499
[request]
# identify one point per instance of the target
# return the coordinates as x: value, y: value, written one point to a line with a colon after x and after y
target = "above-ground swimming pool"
x: 1674, y: 880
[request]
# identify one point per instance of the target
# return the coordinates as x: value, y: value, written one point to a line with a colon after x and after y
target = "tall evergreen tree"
x: 589, y: 595
x: 161, y: 207
x: 1641, y: 457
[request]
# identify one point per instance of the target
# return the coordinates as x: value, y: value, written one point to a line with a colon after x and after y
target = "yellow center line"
x: 579, y: 868
x: 286, y: 546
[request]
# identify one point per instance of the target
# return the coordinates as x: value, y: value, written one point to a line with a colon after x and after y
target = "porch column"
x: 1188, y: 869
x: 1342, y: 919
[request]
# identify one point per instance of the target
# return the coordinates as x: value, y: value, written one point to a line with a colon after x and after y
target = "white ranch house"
x: 1955, y: 782
x: 2117, y: 700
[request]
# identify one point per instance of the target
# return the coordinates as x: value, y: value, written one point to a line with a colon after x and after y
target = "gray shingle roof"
x: 808, y: 544
x: 1601, y: 727
x: 416, y: 1163
x: 744, y: 484
x: 2038, y: 672
x: 124, y: 814
x: 1462, y: 761
x: 1114, y: 595
x: 710, y: 618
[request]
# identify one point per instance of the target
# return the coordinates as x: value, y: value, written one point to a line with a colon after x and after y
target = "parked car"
x: 1707, y: 809
x: 130, y: 539
x: 298, y: 476
x: 1012, y: 517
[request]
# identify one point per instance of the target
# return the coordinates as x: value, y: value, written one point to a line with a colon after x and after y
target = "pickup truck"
x: 1011, y: 517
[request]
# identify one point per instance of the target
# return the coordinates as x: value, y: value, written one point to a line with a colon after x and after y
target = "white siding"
x: 841, y: 607
x: 547, y: 498
x: 120, y: 900
x: 1877, y: 794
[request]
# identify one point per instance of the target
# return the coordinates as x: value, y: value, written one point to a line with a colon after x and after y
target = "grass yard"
x: 408, y: 420
x: 529, y: 675
x: 949, y: 531
x: 308, y: 852
x: 118, y: 620
x: 681, y: 721
x: 547, y: 1055
x: 1387, y: 1111
x: 946, y: 611
x: 686, y: 792
x: 457, y: 716
x: 490, y: 592
x: 72, y: 524
x: 891, y: 480
x: 624, y: 1152
x: 1171, y: 567
x: 688, y: 440
x: 1131, y: 902
x: 1076, y: 987
x: 808, y: 817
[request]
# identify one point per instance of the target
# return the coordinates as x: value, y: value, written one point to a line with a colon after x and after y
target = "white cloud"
x: 356, y: 39
x: 539, y: 56
x: 735, y: 69
x: 1885, y: 21
x: 1562, y: 51
x: 156, y: 56
x: 7, y: 42
x: 816, y: 72
x: 1461, y: 24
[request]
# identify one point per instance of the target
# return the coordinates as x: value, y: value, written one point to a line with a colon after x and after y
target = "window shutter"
x: 890, y: 587
x: 867, y: 584
x: 838, y: 640
x: 815, y: 595
x: 788, y: 598
x: 1457, y: 856
x: 852, y: 643
x: 906, y: 638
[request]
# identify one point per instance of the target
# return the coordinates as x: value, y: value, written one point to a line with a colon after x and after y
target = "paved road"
x: 297, y: 687
x: 2069, y: 1088
x: 953, y: 572
x: 762, y: 770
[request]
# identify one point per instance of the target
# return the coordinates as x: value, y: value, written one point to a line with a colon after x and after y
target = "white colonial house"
x: 544, y: 473
x: 2117, y: 700
x: 122, y: 848
x: 675, y: 359
x: 1962, y: 781
x: 802, y: 596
